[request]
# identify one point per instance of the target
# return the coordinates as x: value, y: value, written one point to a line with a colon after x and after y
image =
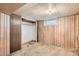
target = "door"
x: 15, y: 33
x: 28, y: 32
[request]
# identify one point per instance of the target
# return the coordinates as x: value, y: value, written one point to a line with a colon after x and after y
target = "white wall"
x: 28, y: 31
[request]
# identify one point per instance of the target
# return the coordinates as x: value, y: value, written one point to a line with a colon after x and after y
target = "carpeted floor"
x: 37, y: 49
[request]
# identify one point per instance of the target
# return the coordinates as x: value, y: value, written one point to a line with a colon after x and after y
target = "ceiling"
x: 37, y: 11
x: 9, y: 8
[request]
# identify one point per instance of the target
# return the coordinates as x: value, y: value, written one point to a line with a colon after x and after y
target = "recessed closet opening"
x: 28, y: 31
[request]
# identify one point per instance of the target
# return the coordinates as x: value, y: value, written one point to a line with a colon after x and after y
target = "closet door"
x: 27, y: 32
x: 4, y: 34
x: 15, y: 33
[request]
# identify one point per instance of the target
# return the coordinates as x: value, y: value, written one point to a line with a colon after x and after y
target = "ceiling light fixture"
x: 50, y: 10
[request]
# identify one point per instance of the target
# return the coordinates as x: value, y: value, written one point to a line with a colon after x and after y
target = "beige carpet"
x: 37, y: 49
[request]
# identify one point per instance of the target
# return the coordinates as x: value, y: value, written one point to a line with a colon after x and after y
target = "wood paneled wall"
x: 15, y: 33
x: 4, y: 34
x: 65, y: 34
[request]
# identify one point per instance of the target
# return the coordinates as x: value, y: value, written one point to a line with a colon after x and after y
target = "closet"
x: 28, y: 31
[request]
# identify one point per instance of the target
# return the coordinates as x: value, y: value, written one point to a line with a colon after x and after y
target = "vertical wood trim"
x: 36, y: 31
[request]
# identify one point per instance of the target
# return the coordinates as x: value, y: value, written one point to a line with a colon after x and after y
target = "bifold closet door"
x: 27, y: 32
x: 4, y: 34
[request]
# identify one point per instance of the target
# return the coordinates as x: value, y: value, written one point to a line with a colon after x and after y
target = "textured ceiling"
x: 9, y: 8
x: 38, y: 11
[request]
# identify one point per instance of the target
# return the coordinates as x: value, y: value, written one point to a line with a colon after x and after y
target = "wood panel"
x: 4, y: 34
x: 65, y: 34
x: 15, y: 33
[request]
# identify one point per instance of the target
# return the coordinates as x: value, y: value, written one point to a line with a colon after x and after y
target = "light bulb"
x: 50, y: 10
